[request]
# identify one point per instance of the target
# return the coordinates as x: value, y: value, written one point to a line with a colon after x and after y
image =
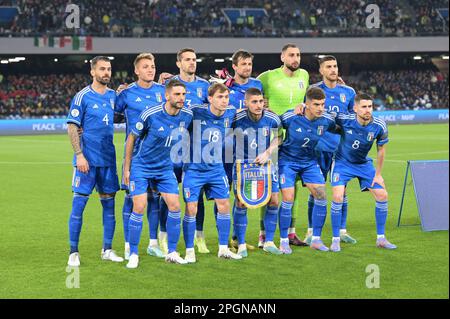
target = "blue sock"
x: 319, y: 216
x: 189, y: 230
x: 270, y: 221
x: 284, y: 215
x: 223, y: 223
x: 233, y: 212
x: 163, y: 211
x: 134, y: 231
x: 381, y: 210
x: 76, y: 220
x: 310, y: 210
x: 200, y: 218
x: 336, y: 214
x: 109, y: 221
x: 153, y: 215
x: 240, y: 223
x: 126, y: 212
x: 173, y: 230
x: 344, y: 213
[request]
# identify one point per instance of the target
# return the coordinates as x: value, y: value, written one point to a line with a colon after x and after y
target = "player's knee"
x: 338, y: 198
x: 107, y: 196
x: 274, y: 200
x: 139, y: 205
x: 320, y: 193
x: 382, y: 196
x: 173, y: 206
x: 239, y: 204
x: 288, y: 196
x: 223, y: 206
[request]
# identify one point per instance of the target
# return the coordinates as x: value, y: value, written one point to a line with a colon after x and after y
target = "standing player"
x: 196, y: 94
x: 258, y: 133
x: 137, y: 97
x: 358, y: 133
x: 297, y: 159
x: 339, y: 99
x: 158, y: 129
x: 92, y: 109
x: 284, y: 89
x: 205, y: 171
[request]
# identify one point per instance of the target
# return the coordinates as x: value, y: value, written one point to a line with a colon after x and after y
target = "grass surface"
x: 35, y: 202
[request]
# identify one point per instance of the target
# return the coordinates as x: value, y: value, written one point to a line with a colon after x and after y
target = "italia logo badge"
x: 265, y: 131
x: 301, y: 85
x: 335, y: 177
x: 226, y: 123
x: 370, y: 136
x: 320, y: 130
x: 343, y: 98
x: 112, y: 103
x: 158, y: 97
x: 187, y: 193
x: 199, y: 92
x: 253, y: 183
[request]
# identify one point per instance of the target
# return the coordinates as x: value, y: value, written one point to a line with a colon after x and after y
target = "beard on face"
x: 292, y: 68
x: 104, y: 80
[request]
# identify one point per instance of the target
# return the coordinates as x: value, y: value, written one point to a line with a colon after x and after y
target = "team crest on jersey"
x: 182, y: 125
x: 336, y: 177
x: 370, y: 136
x: 77, y: 181
x: 282, y: 179
x: 132, y: 186
x: 139, y: 126
x: 320, y: 130
x: 226, y: 122
x: 253, y: 183
x: 301, y: 85
x: 187, y: 193
x: 199, y: 92
x: 343, y: 98
x: 112, y: 103
x: 158, y: 97
x: 266, y: 131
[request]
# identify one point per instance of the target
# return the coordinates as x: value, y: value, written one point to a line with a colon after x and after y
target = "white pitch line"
x: 36, y: 163
x: 421, y: 153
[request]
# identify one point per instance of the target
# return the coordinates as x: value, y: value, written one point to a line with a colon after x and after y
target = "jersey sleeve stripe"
x: 275, y: 118
x: 380, y: 123
x: 146, y: 114
x: 79, y: 96
x: 73, y: 121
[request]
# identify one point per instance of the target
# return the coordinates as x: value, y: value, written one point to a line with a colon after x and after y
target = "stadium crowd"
x: 197, y: 18
x: 48, y: 96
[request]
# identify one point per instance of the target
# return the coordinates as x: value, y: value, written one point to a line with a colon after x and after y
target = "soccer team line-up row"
x: 147, y: 164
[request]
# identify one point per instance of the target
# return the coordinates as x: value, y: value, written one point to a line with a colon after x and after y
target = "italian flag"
x: 254, y: 189
x: 82, y: 43
x: 77, y: 43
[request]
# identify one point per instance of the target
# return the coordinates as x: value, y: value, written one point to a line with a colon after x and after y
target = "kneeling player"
x: 297, y: 158
x: 159, y: 129
x: 253, y: 130
x: 358, y: 132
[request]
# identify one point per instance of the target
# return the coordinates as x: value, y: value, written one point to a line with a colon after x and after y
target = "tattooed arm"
x: 82, y: 163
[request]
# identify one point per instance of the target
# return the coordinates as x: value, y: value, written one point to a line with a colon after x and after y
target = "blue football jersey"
x: 135, y: 99
x: 237, y: 92
x: 302, y: 136
x: 94, y: 112
x: 357, y: 140
x: 340, y: 99
x: 196, y: 91
x: 161, y: 135
x: 253, y: 138
x: 208, y: 133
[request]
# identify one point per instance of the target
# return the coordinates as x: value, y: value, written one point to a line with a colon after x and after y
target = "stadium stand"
x: 48, y: 96
x: 214, y: 18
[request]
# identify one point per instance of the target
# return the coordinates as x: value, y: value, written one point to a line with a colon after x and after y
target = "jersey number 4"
x: 106, y: 120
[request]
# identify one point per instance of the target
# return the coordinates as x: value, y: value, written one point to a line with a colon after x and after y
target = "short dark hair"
x: 315, y: 93
x: 180, y: 53
x: 363, y: 96
x: 95, y: 60
x: 289, y: 45
x: 252, y: 92
x: 217, y: 87
x: 173, y: 83
x: 327, y: 58
x: 240, y: 54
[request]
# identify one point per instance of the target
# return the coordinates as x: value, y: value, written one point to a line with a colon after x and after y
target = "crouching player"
x: 358, y: 132
x: 257, y: 134
x: 297, y: 158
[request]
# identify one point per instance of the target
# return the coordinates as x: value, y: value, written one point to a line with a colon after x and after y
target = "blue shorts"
x: 214, y: 182
x: 104, y: 179
x: 275, y: 185
x: 308, y: 172
x: 325, y: 160
x: 162, y: 182
x: 343, y: 172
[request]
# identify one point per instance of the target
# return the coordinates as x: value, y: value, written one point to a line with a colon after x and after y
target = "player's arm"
x: 120, y: 105
x: 264, y: 78
x: 82, y: 163
x: 128, y: 153
x: 381, y: 153
x: 274, y: 144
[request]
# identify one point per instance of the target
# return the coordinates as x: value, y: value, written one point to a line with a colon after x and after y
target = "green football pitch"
x: 35, y: 202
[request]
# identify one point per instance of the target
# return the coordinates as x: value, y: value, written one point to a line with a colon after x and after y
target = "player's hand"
x: 340, y: 81
x: 163, y: 77
x: 82, y: 164
x: 121, y: 87
x: 262, y: 158
x: 378, y: 179
x: 126, y: 177
x: 300, y: 109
